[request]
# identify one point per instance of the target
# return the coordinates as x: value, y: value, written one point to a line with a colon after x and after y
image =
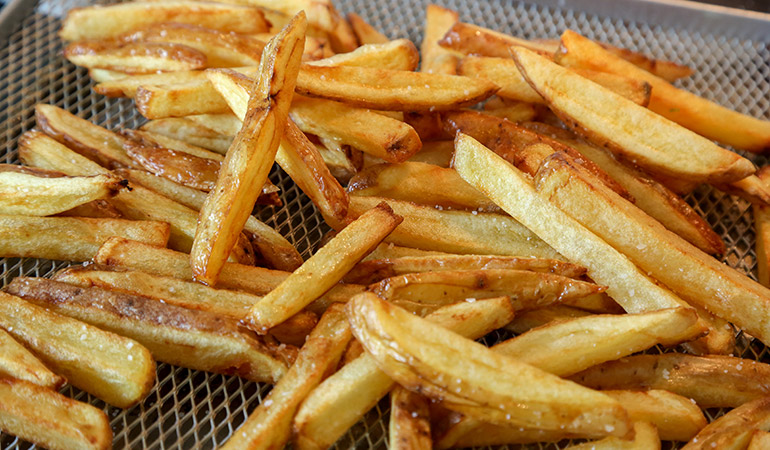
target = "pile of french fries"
x: 528, y: 186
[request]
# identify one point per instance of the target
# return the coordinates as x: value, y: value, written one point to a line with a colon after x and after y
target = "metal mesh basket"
x: 191, y: 409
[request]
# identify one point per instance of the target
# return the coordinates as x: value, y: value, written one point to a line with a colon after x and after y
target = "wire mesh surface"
x: 192, y: 409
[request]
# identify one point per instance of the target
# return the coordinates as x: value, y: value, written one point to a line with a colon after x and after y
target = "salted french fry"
x: 762, y: 225
x: 419, y: 183
x: 51, y: 420
x: 710, y: 381
x: 325, y: 268
x: 115, y: 369
x: 71, y: 238
x: 365, y: 33
x: 460, y: 232
x: 735, y: 429
x: 528, y: 320
x: 512, y: 110
x: 475, y: 40
x: 409, y: 426
x: 269, y: 426
x: 191, y: 132
x: 92, y: 141
x: 251, y: 156
x: 196, y: 339
x: 759, y: 440
x: 399, y: 54
x: 17, y: 362
x: 99, y: 22
x: 704, y: 117
x: 343, y: 398
x: 645, y: 438
x: 342, y: 38
x: 392, y: 89
x: 474, y: 385
x: 134, y: 57
x: 647, y: 139
x: 438, y: 153
x: 436, y: 59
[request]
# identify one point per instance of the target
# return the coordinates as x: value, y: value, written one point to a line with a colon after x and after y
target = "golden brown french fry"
x: 102, y: 75
x: 192, y: 132
x: 99, y: 209
x: 153, y: 139
x: 750, y: 188
x: 388, y: 251
x: 399, y: 54
x: 196, y: 339
x: 365, y: 33
x: 528, y: 320
x: 92, y: 141
x: 645, y: 438
x: 438, y: 153
x: 17, y: 362
x: 735, y: 429
x: 508, y: 109
x: 342, y: 37
x: 269, y: 426
x: 419, y: 183
x: 40, y: 151
x: 115, y: 369
x: 711, y: 381
x: 51, y: 420
x: 647, y: 139
x: 323, y: 270
x: 762, y: 226
x: 392, y: 89
x: 179, y: 167
x: 98, y: 22
x: 436, y: 59
x: 460, y: 232
x: 343, y: 398
x: 127, y: 86
x: 476, y: 40
x: 704, y: 117
x: 134, y: 57
x: 252, y: 154
x: 71, y: 238
x: 161, y: 101
x: 759, y: 440
x: 474, y: 385
x: 409, y: 426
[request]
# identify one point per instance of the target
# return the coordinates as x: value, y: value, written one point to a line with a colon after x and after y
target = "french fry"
x: 365, y: 33
x: 438, y: 153
x: 419, y: 183
x: 409, y: 426
x: 269, y: 426
x: 17, y: 362
x: 399, y: 54
x: 185, y: 169
x: 135, y: 57
x: 389, y: 251
x: 31, y: 195
x: 326, y: 267
x: 251, y: 156
x: 319, y: 12
x: 115, y: 369
x: 102, y: 75
x: 528, y: 320
x: 460, y: 232
x: 392, y: 89
x: 750, y: 188
x: 153, y: 139
x: 40, y: 151
x: 472, y: 39
x: 735, y: 429
x: 706, y: 118
x: 194, y: 97
x: 645, y: 437
x: 114, y: 20
x: 51, y: 420
x: 508, y: 109
x: 71, y: 238
x: 759, y: 439
x: 474, y: 385
x: 343, y: 398
x: 192, y: 132
x: 710, y: 381
x: 342, y: 38
x: 762, y: 226
x: 99, y: 209
x: 195, y: 339
x: 436, y: 59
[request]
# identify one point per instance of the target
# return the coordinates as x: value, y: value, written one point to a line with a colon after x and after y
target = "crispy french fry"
x: 750, y: 188
x: 419, y: 183
x: 17, y: 362
x: 185, y: 169
x: 99, y: 209
x: 436, y: 59
x: 392, y: 89
x: 343, y: 398
x: 759, y: 440
x: 98, y: 22
x: 341, y: 37
x: 365, y: 33
x: 762, y: 225
x: 710, y: 381
x: 194, y: 97
x: 474, y: 385
x: 735, y: 429
x: 153, y: 139
x: 645, y: 438
x: 127, y: 86
x: 191, y: 132
x: 707, y: 118
x: 457, y: 231
x: 438, y: 153
x: 389, y: 251
x: 409, y: 426
x: 102, y: 75
x: 512, y: 110
x: 196, y: 339
x: 269, y: 426
x: 40, y: 151
x: 135, y: 57
x: 399, y: 54
x: 252, y: 154
x: 528, y: 320
x: 51, y: 420
x: 115, y: 369
x: 325, y: 268
x: 473, y: 39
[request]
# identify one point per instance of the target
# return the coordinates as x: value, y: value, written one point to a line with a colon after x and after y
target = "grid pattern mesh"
x: 191, y: 409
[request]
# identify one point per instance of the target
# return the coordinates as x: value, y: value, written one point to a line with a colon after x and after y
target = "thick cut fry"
x: 762, y: 226
x: 525, y: 396
x: 115, y: 369
x: 438, y: 153
x: 129, y: 85
x: 269, y: 426
x: 153, y: 140
x: 343, y: 398
x: 392, y: 89
x: 31, y: 195
x: 195, y: 339
x: 409, y: 426
x: 436, y: 59
x: 514, y: 111
x: 365, y: 33
x: 640, y: 135
x: 252, y: 154
x: 194, y: 97
x: 51, y: 420
x: 100, y: 22
x: 457, y: 231
x: 710, y: 381
x: 40, y: 151
x: 759, y: 440
x: 420, y: 183
x: 706, y: 118
x: 690, y: 273
x: 473, y: 39
x: 71, y: 238
x: 17, y: 362
x: 750, y: 188
x: 191, y: 132
x: 92, y: 141
x: 342, y: 38
x: 323, y: 270
x: 185, y: 169
x: 399, y: 54
x: 735, y: 429
x: 280, y: 12
x: 645, y: 438
x: 388, y: 251
x: 135, y: 57
x: 529, y: 320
